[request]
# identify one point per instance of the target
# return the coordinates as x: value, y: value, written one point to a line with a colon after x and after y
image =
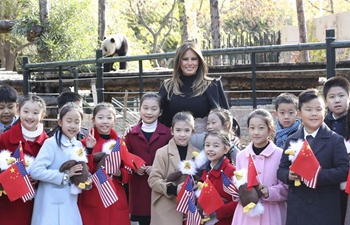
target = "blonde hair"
x: 172, y: 86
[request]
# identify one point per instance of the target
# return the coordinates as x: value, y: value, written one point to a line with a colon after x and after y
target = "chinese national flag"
x: 252, y: 173
x: 13, y: 183
x: 347, y: 189
x: 306, y: 164
x: 209, y: 198
x: 130, y: 160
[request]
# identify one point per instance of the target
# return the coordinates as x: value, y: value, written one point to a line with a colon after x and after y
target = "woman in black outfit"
x: 190, y: 89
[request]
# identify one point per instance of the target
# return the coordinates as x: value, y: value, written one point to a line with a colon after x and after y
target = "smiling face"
x: 104, y: 121
x: 214, y: 149
x: 189, y: 63
x: 30, y: 115
x: 214, y: 123
x: 312, y: 114
x: 150, y: 110
x: 70, y: 123
x: 182, y: 132
x: 337, y: 100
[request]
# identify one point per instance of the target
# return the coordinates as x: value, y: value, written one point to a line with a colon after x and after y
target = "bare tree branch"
x: 20, y: 48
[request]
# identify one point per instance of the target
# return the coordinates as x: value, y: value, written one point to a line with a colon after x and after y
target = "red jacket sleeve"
x: 227, y: 210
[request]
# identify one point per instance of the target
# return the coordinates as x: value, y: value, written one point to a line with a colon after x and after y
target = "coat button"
x: 300, y: 201
x: 310, y: 201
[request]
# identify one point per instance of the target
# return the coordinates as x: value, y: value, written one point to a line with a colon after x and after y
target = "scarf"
x: 283, y: 133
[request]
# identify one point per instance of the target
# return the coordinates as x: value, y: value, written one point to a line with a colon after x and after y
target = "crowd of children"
x: 153, y: 198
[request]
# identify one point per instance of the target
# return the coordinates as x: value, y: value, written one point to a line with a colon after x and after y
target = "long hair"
x: 202, y: 81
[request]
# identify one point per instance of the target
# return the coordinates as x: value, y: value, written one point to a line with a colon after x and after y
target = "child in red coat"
x: 216, y: 148
x: 144, y: 140
x: 90, y: 204
x: 30, y: 132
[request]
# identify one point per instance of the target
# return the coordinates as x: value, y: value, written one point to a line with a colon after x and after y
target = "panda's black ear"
x: 104, y: 38
x: 112, y: 40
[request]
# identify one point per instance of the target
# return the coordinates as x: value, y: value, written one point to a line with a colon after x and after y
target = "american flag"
x: 25, y: 176
x: 113, y: 160
x: 182, y: 205
x: 18, y: 154
x: 228, y: 186
x: 313, y: 182
x: 105, y: 187
x: 193, y: 217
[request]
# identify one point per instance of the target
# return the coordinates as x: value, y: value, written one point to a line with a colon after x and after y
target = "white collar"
x: 32, y: 134
x: 312, y: 134
x: 149, y: 128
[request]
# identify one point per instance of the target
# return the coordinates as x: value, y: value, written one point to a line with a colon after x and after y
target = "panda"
x: 114, y: 45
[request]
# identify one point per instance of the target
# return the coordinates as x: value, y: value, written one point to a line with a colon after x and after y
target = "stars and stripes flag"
x: 18, y: 154
x: 185, y: 193
x: 113, y: 160
x: 105, y: 187
x: 23, y: 171
x: 228, y: 186
x: 193, y: 216
x: 307, y: 166
x: 16, y: 183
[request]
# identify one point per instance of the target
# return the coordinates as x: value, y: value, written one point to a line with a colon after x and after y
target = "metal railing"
x: 329, y: 45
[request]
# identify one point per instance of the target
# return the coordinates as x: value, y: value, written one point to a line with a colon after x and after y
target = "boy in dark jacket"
x: 321, y: 206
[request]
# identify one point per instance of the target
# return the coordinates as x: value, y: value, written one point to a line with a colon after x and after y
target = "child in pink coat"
x: 266, y: 156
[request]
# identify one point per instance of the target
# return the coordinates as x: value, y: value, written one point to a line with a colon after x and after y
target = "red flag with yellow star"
x: 14, y: 183
x: 209, y: 198
x: 132, y: 161
x: 306, y: 165
x: 252, y: 173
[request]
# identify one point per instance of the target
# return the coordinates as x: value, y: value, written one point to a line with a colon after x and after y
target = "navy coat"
x: 318, y: 206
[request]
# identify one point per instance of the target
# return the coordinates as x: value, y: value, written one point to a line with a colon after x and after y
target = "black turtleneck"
x: 199, y: 106
x: 182, y: 152
x: 257, y: 151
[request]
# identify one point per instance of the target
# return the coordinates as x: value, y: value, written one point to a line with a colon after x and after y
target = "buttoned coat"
x: 266, y: 164
x: 90, y: 204
x: 223, y: 214
x: 163, y: 205
x: 54, y: 204
x: 320, y: 206
x: 9, y: 211
x: 139, y: 190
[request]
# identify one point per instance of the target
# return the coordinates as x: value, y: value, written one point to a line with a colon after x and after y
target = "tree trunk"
x: 183, y: 21
x: 332, y: 6
x: 101, y: 20
x: 304, y: 55
x: 44, y: 11
x: 9, y: 56
x: 215, y: 28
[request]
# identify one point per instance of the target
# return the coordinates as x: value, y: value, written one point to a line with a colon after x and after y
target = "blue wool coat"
x: 318, y: 206
x: 54, y: 204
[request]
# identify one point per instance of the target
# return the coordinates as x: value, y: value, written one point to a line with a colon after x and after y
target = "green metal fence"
x: 249, y: 51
